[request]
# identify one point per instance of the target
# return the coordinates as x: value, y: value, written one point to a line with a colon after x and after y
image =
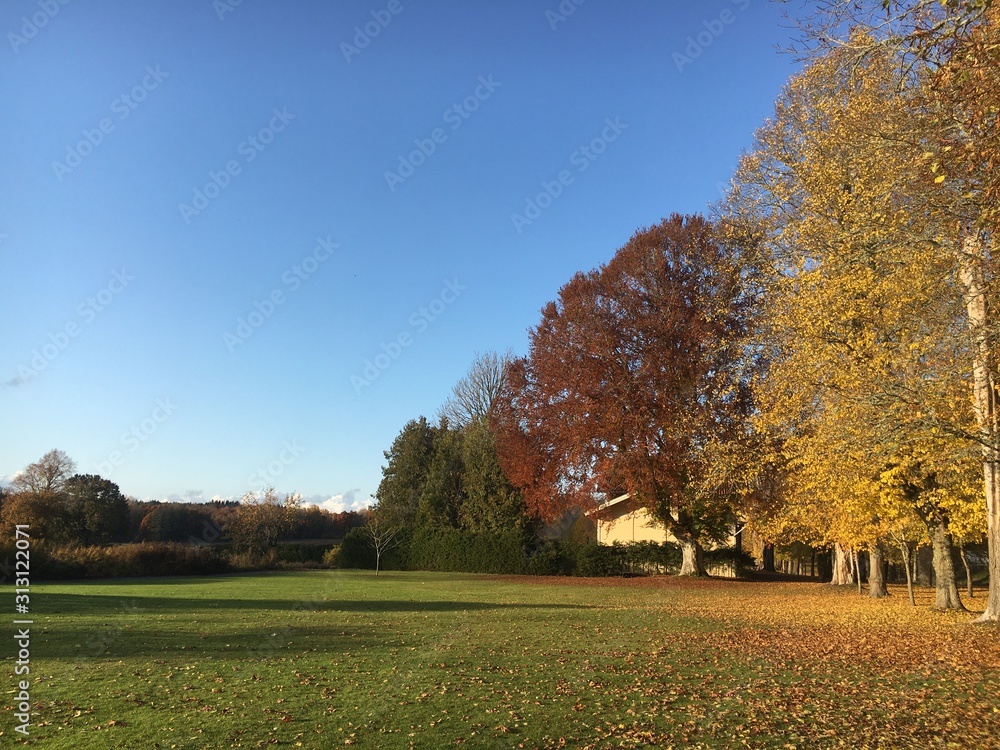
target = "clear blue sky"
x: 127, y: 271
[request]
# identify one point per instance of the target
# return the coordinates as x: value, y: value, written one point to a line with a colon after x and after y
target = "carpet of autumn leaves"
x: 324, y: 659
x: 807, y: 665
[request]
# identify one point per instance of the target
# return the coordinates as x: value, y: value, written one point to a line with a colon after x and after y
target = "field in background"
x: 325, y: 658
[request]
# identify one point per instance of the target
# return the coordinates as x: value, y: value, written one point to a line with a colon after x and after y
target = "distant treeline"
x: 188, y: 523
x: 81, y: 525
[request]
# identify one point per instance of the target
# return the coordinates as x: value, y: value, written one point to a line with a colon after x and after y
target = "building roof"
x: 610, y: 503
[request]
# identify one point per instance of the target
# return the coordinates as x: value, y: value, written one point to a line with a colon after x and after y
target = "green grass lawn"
x: 327, y: 658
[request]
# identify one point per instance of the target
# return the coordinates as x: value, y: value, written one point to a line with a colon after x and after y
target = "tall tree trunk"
x: 692, y: 558
x: 857, y: 567
x: 841, y: 567
x: 972, y: 261
x: 944, y: 569
x: 923, y: 567
x: 992, y: 613
x: 824, y: 565
x: 968, y: 570
x: 904, y: 548
x: 769, y: 558
x: 876, y: 572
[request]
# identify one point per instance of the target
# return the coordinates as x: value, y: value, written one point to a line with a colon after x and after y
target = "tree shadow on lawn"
x: 267, y: 627
x: 171, y: 579
x: 114, y: 606
x: 82, y: 645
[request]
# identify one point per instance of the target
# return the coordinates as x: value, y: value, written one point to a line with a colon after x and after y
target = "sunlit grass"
x: 320, y: 659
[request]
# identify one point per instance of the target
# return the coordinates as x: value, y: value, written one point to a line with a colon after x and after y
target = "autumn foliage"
x: 636, y: 382
x: 819, y: 361
x: 873, y: 190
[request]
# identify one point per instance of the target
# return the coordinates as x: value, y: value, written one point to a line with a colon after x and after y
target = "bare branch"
x: 474, y: 396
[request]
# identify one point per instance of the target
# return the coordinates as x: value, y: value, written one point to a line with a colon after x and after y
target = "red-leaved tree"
x: 638, y: 380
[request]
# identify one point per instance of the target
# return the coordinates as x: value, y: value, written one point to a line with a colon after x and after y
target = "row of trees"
x: 872, y: 196
x: 448, y: 475
x: 638, y: 381
x: 63, y: 507
x: 820, y: 358
x: 156, y: 521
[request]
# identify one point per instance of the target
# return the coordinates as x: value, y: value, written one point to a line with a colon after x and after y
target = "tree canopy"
x: 637, y: 381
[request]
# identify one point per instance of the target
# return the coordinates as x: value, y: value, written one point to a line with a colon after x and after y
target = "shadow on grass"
x: 82, y: 645
x: 138, y: 626
x: 116, y: 606
x: 172, y: 579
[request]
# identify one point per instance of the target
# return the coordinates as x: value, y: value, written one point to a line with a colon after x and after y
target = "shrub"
x: 601, y: 560
x: 462, y: 551
x: 509, y: 552
x: 554, y: 558
x: 443, y: 549
x: 739, y: 562
x: 125, y: 560
x: 331, y: 558
x: 652, y: 557
x: 302, y: 553
x: 356, y: 550
x: 253, y: 560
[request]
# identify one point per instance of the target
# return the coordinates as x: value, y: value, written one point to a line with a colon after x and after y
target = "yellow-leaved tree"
x: 869, y: 360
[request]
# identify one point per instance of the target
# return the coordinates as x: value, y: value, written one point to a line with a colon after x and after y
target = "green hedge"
x: 443, y: 549
x: 460, y: 551
x: 740, y: 562
x: 453, y: 550
x: 638, y: 558
x: 303, y: 553
x: 449, y: 550
x: 356, y: 551
x: 553, y: 558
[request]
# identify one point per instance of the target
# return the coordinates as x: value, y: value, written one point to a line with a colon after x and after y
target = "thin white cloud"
x: 189, y: 496
x: 338, y: 503
x: 342, y: 501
